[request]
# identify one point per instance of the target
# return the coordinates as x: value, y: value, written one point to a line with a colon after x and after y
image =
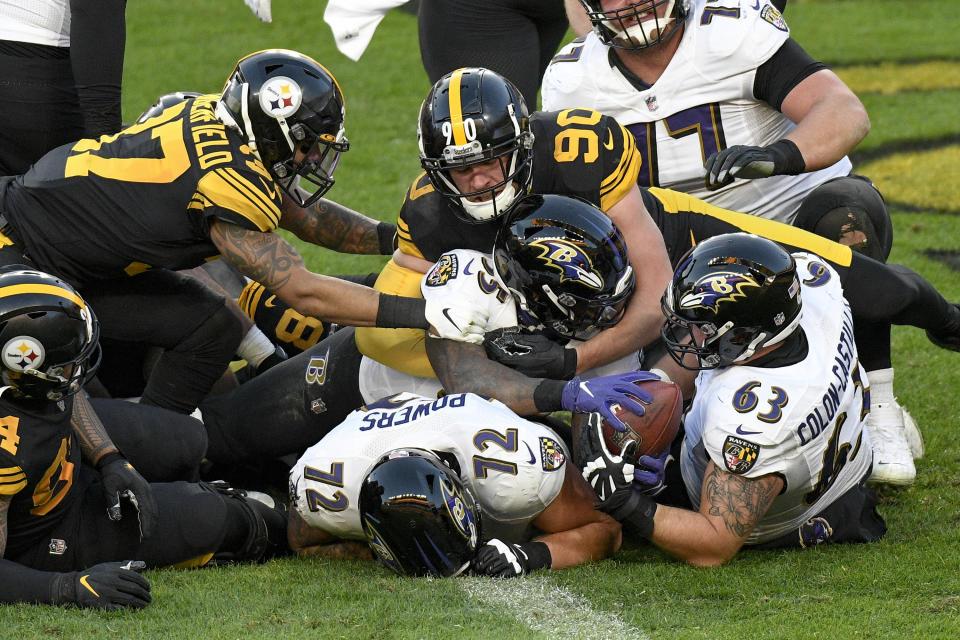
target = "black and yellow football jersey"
x: 39, y: 462
x: 576, y: 152
x: 685, y: 220
x: 142, y: 198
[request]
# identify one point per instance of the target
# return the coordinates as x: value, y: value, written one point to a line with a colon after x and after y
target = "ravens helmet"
x: 638, y: 25
x: 166, y: 101
x: 291, y: 111
x: 48, y: 334
x: 473, y: 116
x: 566, y: 263
x: 419, y: 517
x: 739, y: 291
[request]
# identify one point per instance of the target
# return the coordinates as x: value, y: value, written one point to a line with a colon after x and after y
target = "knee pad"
x: 851, y: 211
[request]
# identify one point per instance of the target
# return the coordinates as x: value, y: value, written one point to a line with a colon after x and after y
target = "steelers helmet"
x: 730, y: 295
x: 419, y: 517
x: 283, y: 102
x: 566, y: 264
x: 473, y: 116
x: 638, y: 25
x: 164, y: 102
x: 49, y: 336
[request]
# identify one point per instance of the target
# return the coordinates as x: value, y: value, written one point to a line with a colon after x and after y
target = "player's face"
x: 478, y: 177
x: 646, y: 10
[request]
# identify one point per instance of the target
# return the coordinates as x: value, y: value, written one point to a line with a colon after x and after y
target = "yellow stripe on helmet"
x: 53, y: 290
x: 456, y: 114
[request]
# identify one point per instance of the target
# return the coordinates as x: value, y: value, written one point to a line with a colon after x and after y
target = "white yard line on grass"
x: 543, y: 606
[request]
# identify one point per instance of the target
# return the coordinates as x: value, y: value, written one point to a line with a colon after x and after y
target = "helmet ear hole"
x: 568, y: 263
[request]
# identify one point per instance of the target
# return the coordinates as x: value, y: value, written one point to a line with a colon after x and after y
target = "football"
x: 656, y: 428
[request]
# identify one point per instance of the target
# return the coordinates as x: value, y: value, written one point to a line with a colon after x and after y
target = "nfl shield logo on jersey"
x: 739, y: 455
x: 57, y: 546
x: 651, y: 103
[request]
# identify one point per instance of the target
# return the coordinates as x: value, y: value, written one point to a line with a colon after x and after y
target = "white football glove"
x: 464, y: 325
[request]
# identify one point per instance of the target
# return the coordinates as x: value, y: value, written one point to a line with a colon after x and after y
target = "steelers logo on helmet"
x: 280, y: 97
x: 23, y: 352
x: 567, y: 258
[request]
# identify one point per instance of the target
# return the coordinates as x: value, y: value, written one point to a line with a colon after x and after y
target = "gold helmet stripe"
x: 60, y: 292
x: 456, y: 114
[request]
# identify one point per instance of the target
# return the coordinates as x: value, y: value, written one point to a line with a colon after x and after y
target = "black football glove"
x: 531, y: 354
x: 121, y: 480
x: 109, y: 585
x: 507, y: 560
x: 610, y: 475
x: 743, y: 161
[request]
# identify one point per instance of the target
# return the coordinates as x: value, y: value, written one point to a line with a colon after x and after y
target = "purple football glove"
x: 598, y: 395
x: 650, y: 472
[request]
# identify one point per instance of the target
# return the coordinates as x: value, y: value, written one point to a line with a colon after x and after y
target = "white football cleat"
x: 892, y: 457
x: 912, y: 433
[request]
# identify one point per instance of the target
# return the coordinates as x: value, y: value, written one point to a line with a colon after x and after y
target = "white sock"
x: 881, y: 386
x: 255, y: 347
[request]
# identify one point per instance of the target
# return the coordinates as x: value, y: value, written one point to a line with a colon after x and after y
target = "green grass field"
x: 903, y: 60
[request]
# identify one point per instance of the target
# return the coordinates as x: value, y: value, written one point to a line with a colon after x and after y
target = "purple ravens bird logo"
x: 461, y: 515
x: 569, y: 260
x: 708, y: 292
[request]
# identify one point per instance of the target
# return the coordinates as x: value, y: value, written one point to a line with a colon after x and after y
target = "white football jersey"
x: 802, y: 422
x: 514, y: 467
x: 44, y: 22
x: 462, y: 278
x: 701, y: 104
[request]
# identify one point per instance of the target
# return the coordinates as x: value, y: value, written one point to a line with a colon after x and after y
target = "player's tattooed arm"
x: 308, y: 541
x: 730, y: 508
x: 740, y: 502
x: 464, y: 367
x: 264, y: 257
x: 332, y: 225
x: 91, y: 435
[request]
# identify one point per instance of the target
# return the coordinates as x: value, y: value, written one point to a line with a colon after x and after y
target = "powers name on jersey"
x: 514, y: 467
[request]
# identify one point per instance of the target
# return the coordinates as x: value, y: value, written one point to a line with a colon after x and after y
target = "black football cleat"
x: 950, y: 341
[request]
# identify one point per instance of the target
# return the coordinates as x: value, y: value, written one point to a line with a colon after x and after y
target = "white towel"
x: 354, y: 21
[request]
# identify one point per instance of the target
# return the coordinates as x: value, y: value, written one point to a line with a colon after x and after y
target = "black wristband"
x: 538, y: 555
x: 107, y: 459
x: 398, y: 312
x: 569, y: 363
x: 387, y: 237
x: 548, y: 396
x: 636, y: 515
x: 787, y: 159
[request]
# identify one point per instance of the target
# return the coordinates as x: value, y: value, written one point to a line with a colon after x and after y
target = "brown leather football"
x: 656, y: 428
